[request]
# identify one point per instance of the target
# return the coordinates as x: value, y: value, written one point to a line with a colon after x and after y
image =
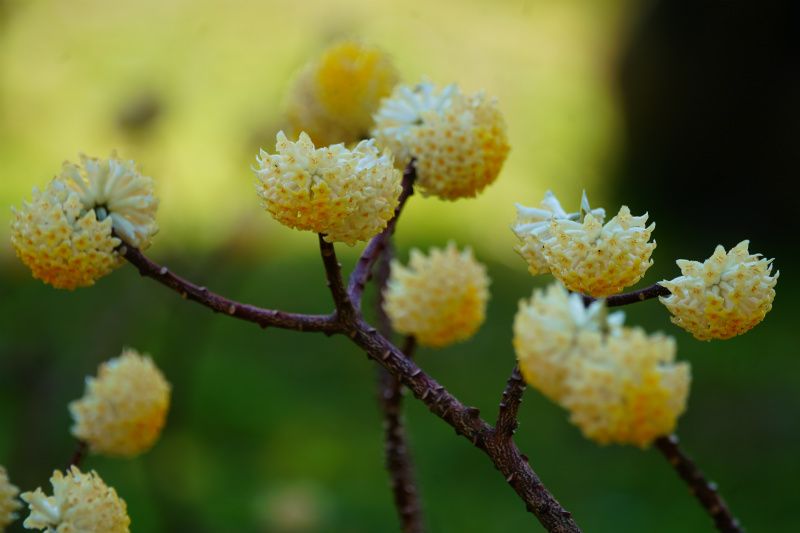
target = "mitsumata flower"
x: 619, y: 384
x: 585, y: 255
x: 532, y: 227
x: 64, y: 234
x: 124, y: 408
x: 549, y: 330
x: 81, y: 503
x: 333, y: 99
x: 458, y: 141
x: 439, y: 298
x: 347, y: 195
x: 8, y: 500
x: 726, y: 295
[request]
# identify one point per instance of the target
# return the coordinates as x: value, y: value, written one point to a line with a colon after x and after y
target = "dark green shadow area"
x: 279, y: 431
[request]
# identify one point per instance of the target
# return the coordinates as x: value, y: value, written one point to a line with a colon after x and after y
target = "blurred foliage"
x: 277, y: 431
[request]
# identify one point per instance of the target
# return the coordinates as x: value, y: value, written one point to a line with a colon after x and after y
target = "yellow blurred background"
x: 192, y: 89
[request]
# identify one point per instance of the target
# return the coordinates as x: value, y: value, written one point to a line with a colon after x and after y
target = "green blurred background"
x: 690, y: 115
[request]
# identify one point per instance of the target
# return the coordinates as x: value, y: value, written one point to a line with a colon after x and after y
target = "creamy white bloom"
x: 532, y: 227
x: 347, y: 195
x: 724, y: 296
x: 458, y: 141
x: 581, y: 251
x: 81, y: 503
x: 114, y: 188
x: 552, y: 328
x: 9, y: 503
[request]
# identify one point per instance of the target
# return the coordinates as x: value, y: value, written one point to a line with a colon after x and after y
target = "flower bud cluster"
x: 8, y: 500
x: 619, y: 384
x: 334, y: 97
x: 458, y: 141
x: 724, y: 296
x: 582, y: 252
x: 64, y: 234
x: 439, y: 298
x: 124, y: 407
x: 80, y: 503
x: 347, y: 195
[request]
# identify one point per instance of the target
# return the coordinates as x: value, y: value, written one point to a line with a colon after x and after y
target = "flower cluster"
x: 619, y: 384
x: 8, y: 500
x: 64, y: 234
x: 726, y: 295
x: 458, y: 141
x: 586, y: 255
x: 124, y: 408
x: 347, y: 195
x: 439, y: 298
x: 81, y: 503
x: 334, y: 97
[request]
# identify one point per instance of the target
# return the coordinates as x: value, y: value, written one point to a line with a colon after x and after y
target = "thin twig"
x: 219, y: 304
x: 398, y: 456
x: 333, y: 274
x: 374, y: 249
x: 390, y: 399
x: 81, y: 449
x: 705, y: 491
x: 617, y: 300
x: 509, y: 406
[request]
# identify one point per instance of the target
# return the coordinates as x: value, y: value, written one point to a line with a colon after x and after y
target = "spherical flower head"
x: 532, y: 227
x: 333, y: 99
x: 64, y: 234
x: 550, y: 330
x: 630, y: 391
x: 459, y: 141
x: 724, y: 296
x: 124, y: 409
x: 440, y: 298
x: 8, y: 500
x: 598, y: 259
x: 347, y: 195
x: 81, y: 503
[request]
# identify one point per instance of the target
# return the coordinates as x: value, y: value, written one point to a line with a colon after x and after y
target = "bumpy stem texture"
x: 705, y: 491
x: 373, y: 251
x: 390, y: 399
x: 219, y: 304
x: 626, y: 298
x: 509, y: 406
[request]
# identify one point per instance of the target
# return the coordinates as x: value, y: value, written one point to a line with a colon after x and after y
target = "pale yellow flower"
x: 619, y: 384
x: 124, y: 409
x: 458, y: 141
x: 9, y: 503
x: 347, y: 195
x: 630, y: 391
x: 586, y: 255
x: 726, y: 295
x: 81, y: 503
x: 64, y: 234
x: 553, y: 328
x: 439, y: 298
x: 532, y: 227
x: 334, y: 97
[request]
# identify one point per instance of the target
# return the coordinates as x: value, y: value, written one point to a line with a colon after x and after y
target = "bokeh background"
x: 690, y: 112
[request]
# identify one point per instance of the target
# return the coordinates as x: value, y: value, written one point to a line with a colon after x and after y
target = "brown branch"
x: 374, y: 249
x: 705, y: 491
x: 219, y: 304
x: 627, y: 298
x: 81, y: 449
x: 467, y: 422
x: 509, y: 406
x: 333, y: 274
x: 398, y: 457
